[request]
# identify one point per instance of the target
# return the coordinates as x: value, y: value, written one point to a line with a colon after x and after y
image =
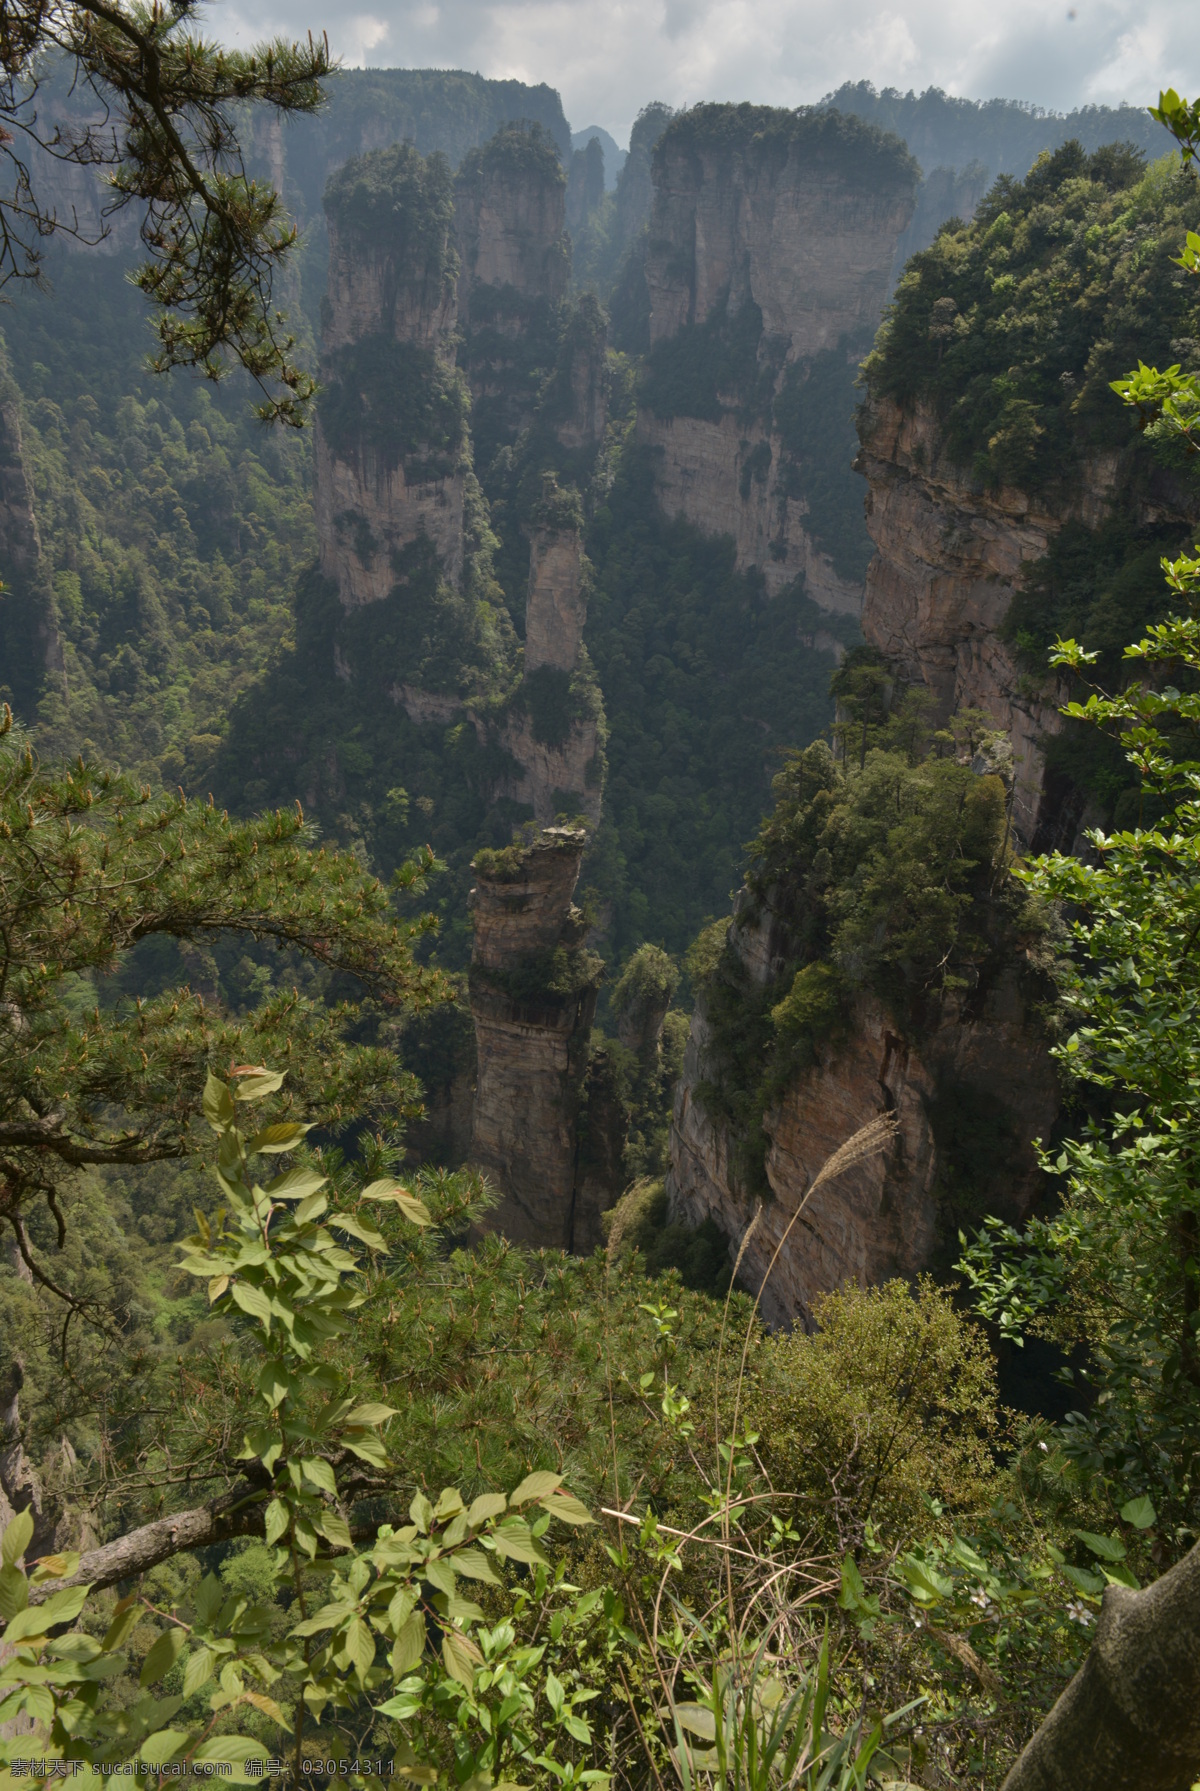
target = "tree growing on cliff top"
x: 160, y: 113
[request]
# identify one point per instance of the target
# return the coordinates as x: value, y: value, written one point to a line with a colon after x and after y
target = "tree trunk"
x: 1130, y: 1718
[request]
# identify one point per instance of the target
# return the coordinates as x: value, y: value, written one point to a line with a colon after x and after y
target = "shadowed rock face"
x: 390, y: 441
x: 980, y: 1053
x: 791, y: 220
x: 31, y: 648
x: 533, y: 995
x: 950, y: 559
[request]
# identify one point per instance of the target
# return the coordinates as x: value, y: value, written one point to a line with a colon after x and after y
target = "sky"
x: 608, y: 58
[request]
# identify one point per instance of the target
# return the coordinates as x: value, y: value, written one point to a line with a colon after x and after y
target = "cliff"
x: 392, y: 429
x: 515, y: 263
x: 887, y: 1216
x: 769, y: 257
x: 1010, y: 496
x: 533, y: 994
x: 878, y: 961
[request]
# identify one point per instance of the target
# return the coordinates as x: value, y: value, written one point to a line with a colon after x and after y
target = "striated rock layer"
x: 775, y: 231
x: 886, y: 1216
x: 533, y: 995
x: 949, y: 560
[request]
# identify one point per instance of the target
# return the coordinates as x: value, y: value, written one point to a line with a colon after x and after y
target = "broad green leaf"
x: 516, y: 1542
x: 487, y: 1505
x: 321, y: 1474
x: 360, y: 1645
x: 441, y: 1575
x: 267, y: 1705
x: 1107, y: 1548
x: 217, y: 1104
x: 421, y: 1512
x: 412, y: 1208
x: 450, y: 1503
x: 198, y: 1672
x: 296, y: 1184
x: 254, y: 1301
x: 157, y: 1749
x: 231, y: 1750
x: 354, y: 1228
x: 335, y: 1529
x: 473, y: 1564
x: 259, y: 1084
x: 163, y: 1655
x: 210, y: 1596
x: 330, y: 1616
x: 463, y: 1610
x: 1085, y: 1581
x: 18, y: 1535
x: 567, y: 1507
x: 277, y: 1520
x: 409, y: 1645
x: 126, y: 1616
x: 1122, y: 1576
x: 371, y: 1413
x: 460, y: 1657
x: 274, y: 1139
x: 35, y: 1620
x: 534, y: 1486
x: 1140, y: 1513
x: 14, y: 1592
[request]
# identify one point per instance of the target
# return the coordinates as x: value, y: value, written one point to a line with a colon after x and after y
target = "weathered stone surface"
x: 880, y: 1219
x: 367, y: 511
x: 810, y: 243
x: 556, y: 608
x: 531, y: 1042
x: 950, y: 558
x: 698, y: 473
x: 509, y: 225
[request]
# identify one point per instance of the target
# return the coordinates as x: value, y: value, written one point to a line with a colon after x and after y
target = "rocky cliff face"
x: 771, y: 244
x: 391, y: 435
x: 977, y: 1061
x: 533, y: 994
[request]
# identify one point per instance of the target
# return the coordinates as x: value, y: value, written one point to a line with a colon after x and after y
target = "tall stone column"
x: 533, y: 994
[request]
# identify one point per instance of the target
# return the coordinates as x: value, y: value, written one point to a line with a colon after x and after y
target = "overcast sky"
x: 609, y: 57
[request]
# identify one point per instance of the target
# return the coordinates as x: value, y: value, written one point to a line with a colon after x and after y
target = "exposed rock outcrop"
x: 771, y: 243
x: 533, y: 994
x: 978, y: 1058
x: 949, y: 561
x: 31, y: 648
x: 391, y: 434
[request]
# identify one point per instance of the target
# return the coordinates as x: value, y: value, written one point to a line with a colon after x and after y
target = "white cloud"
x: 609, y: 57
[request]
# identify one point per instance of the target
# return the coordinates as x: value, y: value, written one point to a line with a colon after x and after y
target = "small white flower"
x: 982, y: 1600
x: 1045, y: 1448
x: 1079, y: 1613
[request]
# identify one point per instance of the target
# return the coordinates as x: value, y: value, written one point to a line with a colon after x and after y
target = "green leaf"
x: 162, y: 1656
x: 473, y: 1564
x: 1107, y: 1548
x: 210, y: 1596
x: 1085, y: 1581
x: 696, y: 1718
x: 259, y: 1085
x: 296, y: 1184
x: 198, y: 1672
x: 1140, y: 1513
x: 374, y: 1240
x: 515, y: 1541
x: 460, y: 1657
x: 321, y: 1475
x: 217, y: 1104
x: 360, y: 1645
x: 534, y: 1486
x: 486, y: 1506
x: 371, y: 1413
x: 230, y: 1750
x: 17, y: 1536
x: 409, y: 1645
x: 159, y: 1748
x: 421, y: 1512
x: 254, y: 1301
x: 566, y: 1507
x: 412, y: 1208
x: 449, y: 1504
x: 35, y: 1620
x: 14, y: 1592
x: 126, y: 1616
x: 334, y: 1528
x: 274, y: 1139
x: 441, y: 1575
